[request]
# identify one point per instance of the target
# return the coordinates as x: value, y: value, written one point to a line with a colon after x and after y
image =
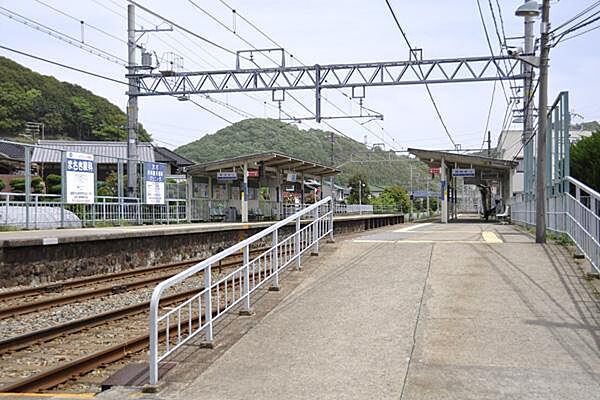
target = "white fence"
x: 47, y: 211
x: 574, y: 213
x: 179, y: 324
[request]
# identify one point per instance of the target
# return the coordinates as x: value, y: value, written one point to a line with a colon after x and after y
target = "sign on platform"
x: 154, y: 183
x: 227, y: 176
x: 424, y: 193
x: 466, y: 172
x: 252, y: 173
x: 291, y: 177
x: 80, y: 177
x: 434, y: 170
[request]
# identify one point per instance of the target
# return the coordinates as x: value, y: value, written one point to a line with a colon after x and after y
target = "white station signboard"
x: 80, y: 177
x: 154, y: 183
x: 466, y: 172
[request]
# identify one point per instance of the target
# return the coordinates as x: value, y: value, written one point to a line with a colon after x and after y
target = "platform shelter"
x: 249, y: 187
x: 492, y: 175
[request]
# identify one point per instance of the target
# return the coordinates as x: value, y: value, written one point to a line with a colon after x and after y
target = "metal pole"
x: 489, y: 143
x: 360, y: 196
x: 540, y: 197
x: 529, y: 49
x: 27, y: 184
x: 132, y: 107
x: 411, y: 193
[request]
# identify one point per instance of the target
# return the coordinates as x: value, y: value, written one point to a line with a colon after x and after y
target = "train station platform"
x: 424, y: 311
x: 43, y: 256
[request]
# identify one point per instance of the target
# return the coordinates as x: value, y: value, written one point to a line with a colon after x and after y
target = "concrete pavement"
x: 427, y: 311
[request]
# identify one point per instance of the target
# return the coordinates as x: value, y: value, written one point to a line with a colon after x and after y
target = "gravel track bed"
x: 20, y: 324
x: 115, y: 282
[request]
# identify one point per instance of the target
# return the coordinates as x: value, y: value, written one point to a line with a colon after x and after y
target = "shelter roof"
x: 270, y: 159
x: 433, y: 158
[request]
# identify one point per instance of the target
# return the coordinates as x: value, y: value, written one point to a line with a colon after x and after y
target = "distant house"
x: 12, y: 158
x: 376, y: 190
x: 175, y: 162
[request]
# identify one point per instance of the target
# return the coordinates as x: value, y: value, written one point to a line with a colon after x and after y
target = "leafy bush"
x: 18, y: 185
x: 2, y: 184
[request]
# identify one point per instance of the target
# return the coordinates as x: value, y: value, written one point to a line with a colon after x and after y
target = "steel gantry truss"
x: 333, y: 76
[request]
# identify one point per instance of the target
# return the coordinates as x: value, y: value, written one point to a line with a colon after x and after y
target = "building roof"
x: 164, y: 155
x: 12, y: 151
x: 270, y: 159
x: 106, y: 152
x: 510, y: 145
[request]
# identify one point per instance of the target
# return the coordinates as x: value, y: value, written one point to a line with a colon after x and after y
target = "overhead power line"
x: 64, y: 65
x: 435, y: 106
x: 81, y: 21
x: 186, y: 30
x: 61, y: 36
x: 277, y: 44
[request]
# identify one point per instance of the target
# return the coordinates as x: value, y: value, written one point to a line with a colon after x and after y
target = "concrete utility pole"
x: 132, y: 107
x: 540, y: 183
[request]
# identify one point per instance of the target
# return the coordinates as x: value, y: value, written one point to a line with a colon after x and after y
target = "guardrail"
x: 575, y: 213
x: 219, y: 295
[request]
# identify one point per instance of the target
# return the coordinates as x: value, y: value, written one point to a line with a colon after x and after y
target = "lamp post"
x: 360, y: 186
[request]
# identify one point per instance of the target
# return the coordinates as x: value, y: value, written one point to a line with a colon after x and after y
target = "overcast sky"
x: 316, y: 32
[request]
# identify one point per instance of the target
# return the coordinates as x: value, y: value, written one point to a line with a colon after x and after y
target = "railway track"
x: 24, y: 303
x: 59, y: 374
x: 77, y: 342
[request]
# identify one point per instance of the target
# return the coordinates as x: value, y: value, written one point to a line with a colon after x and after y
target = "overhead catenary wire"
x: 81, y: 21
x: 489, y: 43
x: 435, y: 106
x: 277, y: 44
x: 186, y: 30
x: 61, y: 36
x: 64, y: 65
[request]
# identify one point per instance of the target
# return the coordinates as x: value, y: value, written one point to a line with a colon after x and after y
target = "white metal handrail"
x: 198, y: 314
x: 574, y: 215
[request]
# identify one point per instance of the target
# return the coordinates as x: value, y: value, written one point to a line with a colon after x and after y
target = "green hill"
x: 258, y: 135
x: 67, y: 111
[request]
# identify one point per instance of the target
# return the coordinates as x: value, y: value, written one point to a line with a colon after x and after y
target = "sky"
x: 315, y: 32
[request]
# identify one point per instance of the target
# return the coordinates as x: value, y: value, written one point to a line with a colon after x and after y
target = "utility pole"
x: 489, y: 143
x: 540, y: 183
x: 132, y: 107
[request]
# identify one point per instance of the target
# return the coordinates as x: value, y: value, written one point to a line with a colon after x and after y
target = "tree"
x: 393, y: 196
x: 585, y: 160
x: 354, y: 183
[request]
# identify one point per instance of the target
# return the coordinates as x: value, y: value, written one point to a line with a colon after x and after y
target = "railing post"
x: 154, y: 343
x: 208, y: 306
x: 275, y: 261
x: 246, y: 310
x: 316, y: 235
x: 331, y: 239
x: 298, y: 244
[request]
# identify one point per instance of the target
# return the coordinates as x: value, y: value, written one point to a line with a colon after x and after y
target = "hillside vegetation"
x: 258, y: 135
x: 67, y: 111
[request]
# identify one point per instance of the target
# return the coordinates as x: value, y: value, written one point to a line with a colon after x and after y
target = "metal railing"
x: 220, y: 294
x: 575, y: 213
x: 47, y: 211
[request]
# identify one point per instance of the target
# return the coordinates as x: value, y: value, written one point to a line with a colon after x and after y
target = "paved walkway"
x: 429, y: 311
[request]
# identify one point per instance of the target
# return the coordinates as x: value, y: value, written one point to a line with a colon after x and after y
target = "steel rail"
x: 43, y: 335
x: 55, y: 376
x: 106, y: 290
x: 59, y: 286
